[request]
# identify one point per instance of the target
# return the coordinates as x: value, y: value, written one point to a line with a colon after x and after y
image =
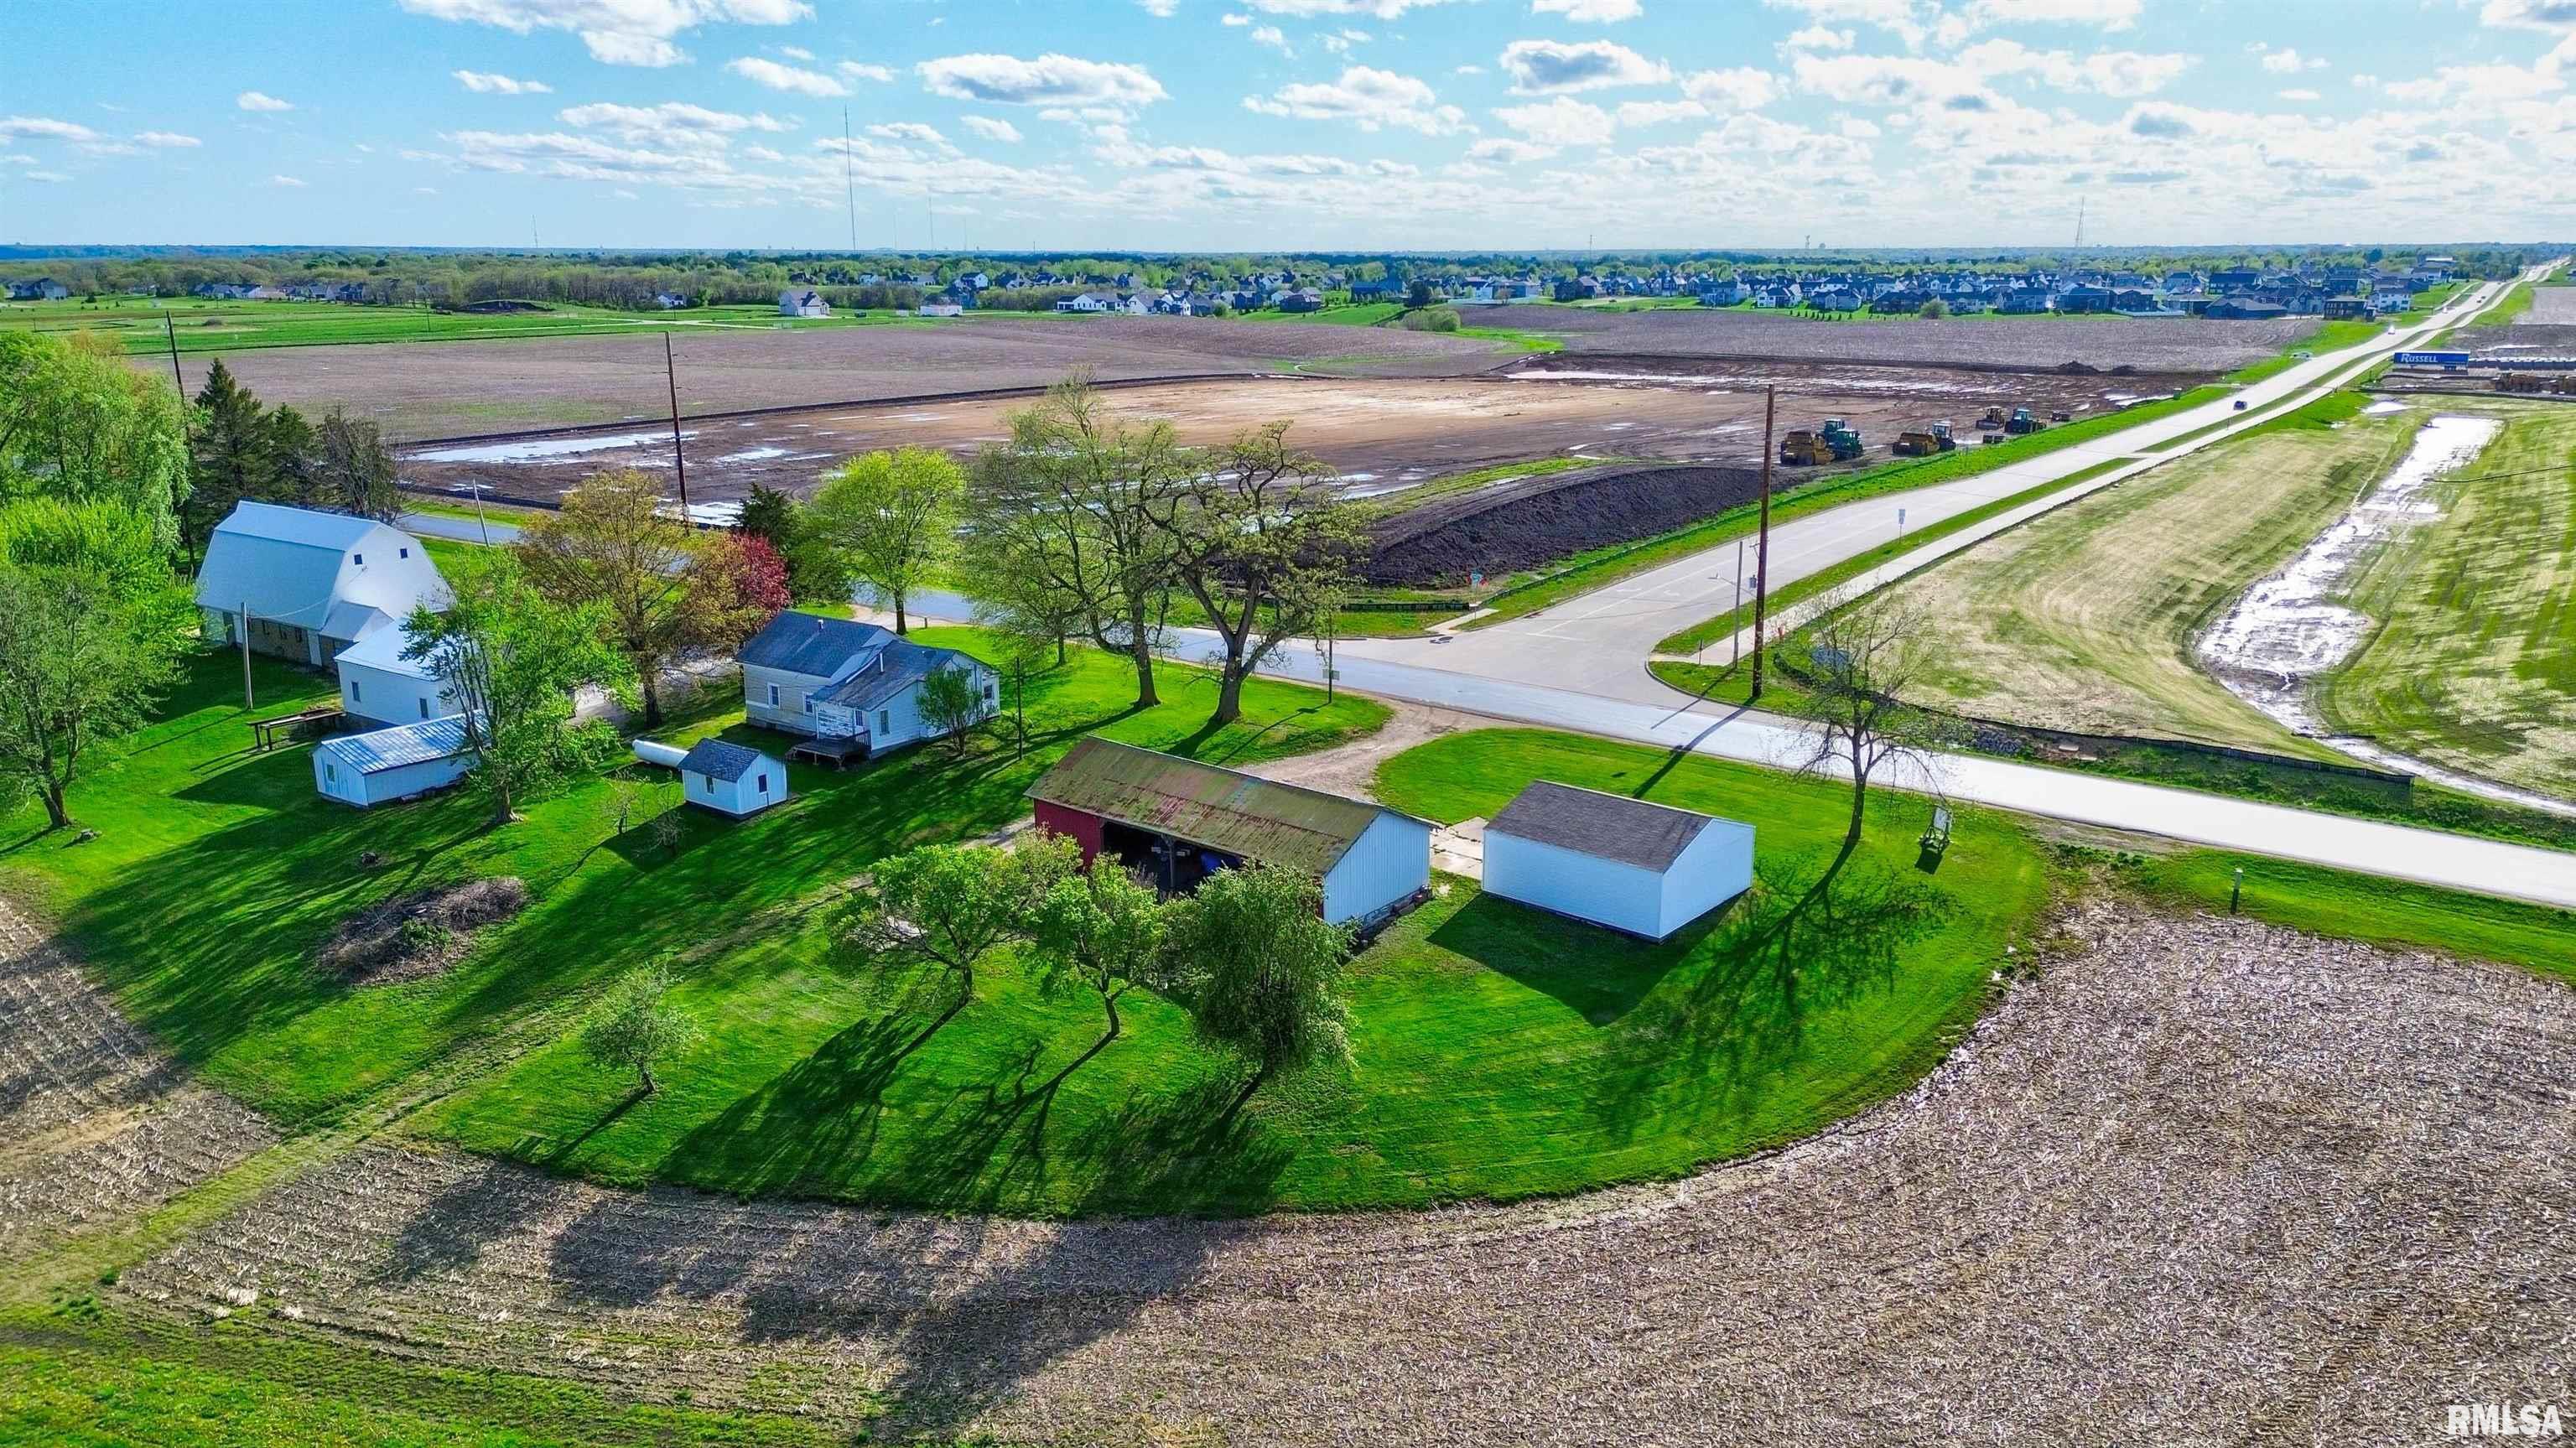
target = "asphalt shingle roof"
x: 717, y: 759
x: 808, y: 643
x: 1608, y: 826
x: 904, y: 664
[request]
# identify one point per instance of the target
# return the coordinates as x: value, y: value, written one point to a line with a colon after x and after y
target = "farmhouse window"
x: 424, y: 708
x: 809, y: 703
x: 762, y: 784
x: 359, y: 558
x: 773, y: 696
x: 354, y: 696
x: 885, y: 722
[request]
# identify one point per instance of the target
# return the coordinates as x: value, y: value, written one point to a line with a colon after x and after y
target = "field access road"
x: 1599, y: 642
x: 2460, y: 862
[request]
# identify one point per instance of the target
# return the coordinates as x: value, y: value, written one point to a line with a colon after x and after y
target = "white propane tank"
x: 653, y: 752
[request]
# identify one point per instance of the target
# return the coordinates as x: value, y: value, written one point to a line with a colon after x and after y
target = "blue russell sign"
x: 2432, y: 359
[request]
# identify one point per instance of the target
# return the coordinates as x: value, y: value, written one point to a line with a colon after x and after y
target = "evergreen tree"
x: 230, y: 459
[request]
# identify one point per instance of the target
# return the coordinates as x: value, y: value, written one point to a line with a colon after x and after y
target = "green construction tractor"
x: 2023, y: 420
x: 1840, y: 436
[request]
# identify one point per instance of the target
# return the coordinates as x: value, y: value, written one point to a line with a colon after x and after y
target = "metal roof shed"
x: 388, y: 765
x: 1371, y: 859
x: 1646, y: 869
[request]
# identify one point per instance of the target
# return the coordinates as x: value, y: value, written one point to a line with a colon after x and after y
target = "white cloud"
x: 617, y: 32
x: 1741, y: 89
x: 2301, y: 95
x: 2123, y: 73
x: 2489, y: 83
x: 1816, y: 37
x: 1897, y: 17
x: 1891, y: 80
x: 1545, y: 67
x: 1637, y: 114
x: 991, y: 128
x: 285, y: 181
x: 1560, y: 121
x: 1368, y: 98
x: 1159, y: 9
x: 255, y: 101
x: 1310, y: 9
x: 45, y: 128
x: 863, y: 70
x: 484, y: 82
x: 2107, y: 14
x: 2287, y: 60
x: 912, y: 131
x: 762, y: 153
x: 47, y: 176
x: 672, y: 125
x: 1051, y: 79
x: 781, y: 77
x: 1503, y: 148
x: 1590, y: 12
x: 1272, y: 36
x: 167, y: 140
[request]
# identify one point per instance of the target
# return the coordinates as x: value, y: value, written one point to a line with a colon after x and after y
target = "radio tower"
x: 2079, y: 223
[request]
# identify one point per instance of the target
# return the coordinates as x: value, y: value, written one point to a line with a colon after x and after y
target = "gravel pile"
x: 2200, y: 1181
x: 94, y: 1125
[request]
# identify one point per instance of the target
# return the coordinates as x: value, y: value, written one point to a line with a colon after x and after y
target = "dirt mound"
x: 419, y: 934
x: 1512, y: 526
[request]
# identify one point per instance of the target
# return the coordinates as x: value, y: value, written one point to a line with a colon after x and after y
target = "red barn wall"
x: 1082, y: 829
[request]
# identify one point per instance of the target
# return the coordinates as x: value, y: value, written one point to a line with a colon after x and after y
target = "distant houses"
x: 42, y: 289
x: 803, y: 302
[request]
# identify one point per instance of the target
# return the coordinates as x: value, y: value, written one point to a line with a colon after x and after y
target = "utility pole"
x: 177, y: 379
x: 249, y: 702
x: 679, y: 455
x: 1762, y: 551
x: 1739, y: 604
x: 849, y: 186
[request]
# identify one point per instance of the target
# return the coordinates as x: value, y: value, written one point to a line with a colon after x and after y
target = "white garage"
x: 386, y: 765
x: 1646, y: 869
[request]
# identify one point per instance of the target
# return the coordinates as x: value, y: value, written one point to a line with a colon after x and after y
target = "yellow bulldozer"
x: 1923, y: 442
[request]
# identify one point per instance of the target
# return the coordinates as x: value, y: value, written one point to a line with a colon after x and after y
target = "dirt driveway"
x: 2200, y: 1181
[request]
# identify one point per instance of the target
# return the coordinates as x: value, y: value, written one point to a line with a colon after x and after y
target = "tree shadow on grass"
x: 1738, y: 1022
x: 1598, y: 973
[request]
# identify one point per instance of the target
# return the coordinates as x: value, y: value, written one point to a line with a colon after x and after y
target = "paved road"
x: 461, y: 530
x: 1599, y: 642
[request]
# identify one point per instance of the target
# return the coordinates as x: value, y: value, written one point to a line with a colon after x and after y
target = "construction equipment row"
x: 1835, y: 440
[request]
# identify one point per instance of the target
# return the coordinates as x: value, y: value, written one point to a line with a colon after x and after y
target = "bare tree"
x: 1066, y: 510
x: 1258, y: 541
x: 1864, y: 657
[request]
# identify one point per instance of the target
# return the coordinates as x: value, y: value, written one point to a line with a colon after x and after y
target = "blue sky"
x: 1288, y: 124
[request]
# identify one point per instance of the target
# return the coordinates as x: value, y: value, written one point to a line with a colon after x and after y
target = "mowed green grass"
x: 205, y: 325
x: 2473, y: 662
x: 216, y: 873
x: 2085, y: 619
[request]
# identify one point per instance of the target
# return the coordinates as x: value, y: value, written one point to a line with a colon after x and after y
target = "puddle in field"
x: 539, y: 450
x: 2383, y: 407
x: 2288, y: 629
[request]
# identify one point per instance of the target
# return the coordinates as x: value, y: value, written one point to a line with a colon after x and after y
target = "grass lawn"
x: 2473, y: 663
x: 205, y: 325
x: 79, y: 1378
x: 2085, y: 619
x: 216, y: 873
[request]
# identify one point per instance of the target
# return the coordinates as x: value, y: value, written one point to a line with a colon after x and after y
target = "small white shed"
x: 386, y: 765
x: 378, y: 683
x: 731, y: 779
x: 1646, y: 869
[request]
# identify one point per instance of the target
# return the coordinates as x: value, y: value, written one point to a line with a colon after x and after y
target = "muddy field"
x: 1505, y: 527
x: 2198, y: 1181
x: 1382, y: 435
x: 2149, y: 344
x: 447, y: 389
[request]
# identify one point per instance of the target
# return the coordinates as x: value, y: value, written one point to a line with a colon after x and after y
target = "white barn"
x: 1176, y: 821
x: 305, y: 585
x: 386, y: 765
x: 1646, y: 869
x: 852, y: 687
x: 377, y: 683
x: 731, y: 779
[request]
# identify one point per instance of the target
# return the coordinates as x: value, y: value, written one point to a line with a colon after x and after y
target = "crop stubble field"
x: 2148, y: 344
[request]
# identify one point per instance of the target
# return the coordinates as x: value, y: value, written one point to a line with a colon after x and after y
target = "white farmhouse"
x: 1646, y: 869
x: 305, y: 585
x: 404, y: 762
x: 803, y: 302
x: 851, y: 688
x: 731, y: 779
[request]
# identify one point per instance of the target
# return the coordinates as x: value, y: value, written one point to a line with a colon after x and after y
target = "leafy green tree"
x: 1257, y: 963
x: 93, y: 628
x: 952, y: 704
x: 1101, y: 931
x: 636, y: 1025
x: 353, y: 470
x: 294, y: 460
x: 892, y: 520
x: 1257, y: 540
x: 513, y: 661
x: 1066, y: 512
x: 663, y: 593
x: 1418, y: 295
x: 232, y: 458
x: 77, y: 425
x: 950, y: 907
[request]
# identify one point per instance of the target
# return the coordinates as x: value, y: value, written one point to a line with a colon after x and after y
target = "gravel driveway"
x: 2200, y: 1181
